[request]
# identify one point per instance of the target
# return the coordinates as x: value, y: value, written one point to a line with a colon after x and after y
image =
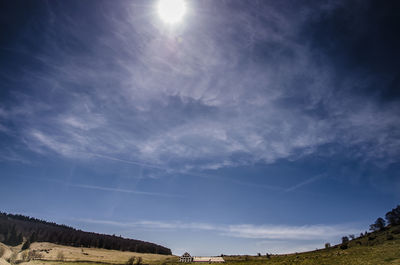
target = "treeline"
x: 392, y: 219
x: 15, y: 229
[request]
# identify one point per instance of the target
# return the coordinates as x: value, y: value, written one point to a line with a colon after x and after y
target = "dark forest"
x: 15, y: 229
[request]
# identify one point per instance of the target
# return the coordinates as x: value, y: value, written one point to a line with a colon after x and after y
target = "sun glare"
x: 171, y: 11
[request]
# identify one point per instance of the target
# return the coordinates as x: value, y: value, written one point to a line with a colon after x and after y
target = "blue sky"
x: 250, y: 126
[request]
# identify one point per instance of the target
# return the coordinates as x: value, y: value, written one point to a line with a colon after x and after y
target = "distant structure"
x: 187, y: 258
x: 209, y: 259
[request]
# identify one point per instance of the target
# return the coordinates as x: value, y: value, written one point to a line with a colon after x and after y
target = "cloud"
x: 201, y: 97
x: 288, y: 232
x: 93, y: 187
x: 112, y: 189
x: 9, y: 155
x: 273, y: 232
x: 306, y: 182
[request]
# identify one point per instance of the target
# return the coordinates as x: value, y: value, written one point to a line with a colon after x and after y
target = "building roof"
x: 186, y: 255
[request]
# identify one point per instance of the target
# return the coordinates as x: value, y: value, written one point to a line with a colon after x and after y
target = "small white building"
x: 187, y: 258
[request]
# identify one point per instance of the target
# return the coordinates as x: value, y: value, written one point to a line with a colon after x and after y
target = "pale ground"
x: 7, y: 253
x: 51, y: 252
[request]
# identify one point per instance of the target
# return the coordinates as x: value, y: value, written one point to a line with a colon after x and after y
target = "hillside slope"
x: 53, y: 254
x: 376, y: 248
x: 5, y: 254
x: 14, y: 228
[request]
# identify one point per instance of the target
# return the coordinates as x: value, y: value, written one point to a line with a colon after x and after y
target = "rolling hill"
x: 377, y: 248
x: 15, y: 228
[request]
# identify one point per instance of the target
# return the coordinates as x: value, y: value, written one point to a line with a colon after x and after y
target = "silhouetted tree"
x: 12, y: 238
x: 327, y: 245
x: 393, y: 217
x: 345, y: 240
x: 26, y: 245
x: 33, y: 237
x: 378, y: 225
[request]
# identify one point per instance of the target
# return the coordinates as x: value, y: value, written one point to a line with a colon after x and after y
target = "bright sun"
x: 171, y: 11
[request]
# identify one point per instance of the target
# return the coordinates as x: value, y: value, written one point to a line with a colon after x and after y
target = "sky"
x: 246, y: 127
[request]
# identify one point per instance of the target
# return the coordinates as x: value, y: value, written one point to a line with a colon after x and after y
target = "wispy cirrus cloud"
x: 303, y: 183
x: 138, y: 192
x: 274, y: 232
x: 112, y: 189
x: 201, y: 97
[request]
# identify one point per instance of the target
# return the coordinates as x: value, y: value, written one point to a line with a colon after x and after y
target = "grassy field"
x: 62, y: 255
x: 374, y: 249
x: 388, y: 253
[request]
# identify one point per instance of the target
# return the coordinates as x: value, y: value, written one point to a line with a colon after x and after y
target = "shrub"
x: 344, y: 246
x: 131, y: 260
x: 139, y: 261
x: 327, y: 245
x: 34, y: 255
x: 396, y: 231
x: 25, y: 256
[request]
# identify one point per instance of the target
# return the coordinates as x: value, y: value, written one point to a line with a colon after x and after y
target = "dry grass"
x: 6, y: 254
x: 53, y: 252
